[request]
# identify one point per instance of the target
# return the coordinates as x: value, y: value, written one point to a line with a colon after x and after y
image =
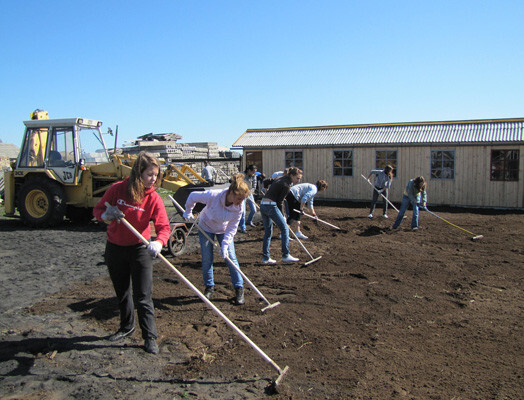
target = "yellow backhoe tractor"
x: 54, y: 177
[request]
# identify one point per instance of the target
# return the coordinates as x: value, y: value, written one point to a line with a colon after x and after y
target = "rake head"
x: 271, y: 306
x: 273, y: 387
x: 311, y: 261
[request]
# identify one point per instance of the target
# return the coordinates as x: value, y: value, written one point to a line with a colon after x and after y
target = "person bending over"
x: 220, y: 218
x: 298, y: 197
x: 414, y: 194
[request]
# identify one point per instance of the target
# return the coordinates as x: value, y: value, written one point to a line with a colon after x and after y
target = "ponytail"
x: 239, y: 185
x: 294, y: 171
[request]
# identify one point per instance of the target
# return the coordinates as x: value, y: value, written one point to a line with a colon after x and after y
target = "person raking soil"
x: 298, y: 198
x: 383, y: 179
x: 414, y: 194
x: 128, y: 260
x: 271, y: 210
x: 220, y: 218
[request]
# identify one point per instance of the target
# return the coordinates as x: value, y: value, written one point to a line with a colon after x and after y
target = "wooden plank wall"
x: 471, y: 187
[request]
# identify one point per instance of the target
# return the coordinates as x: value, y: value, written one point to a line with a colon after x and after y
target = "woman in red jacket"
x: 129, y: 261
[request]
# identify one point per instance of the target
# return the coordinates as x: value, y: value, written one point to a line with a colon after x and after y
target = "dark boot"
x: 209, y: 292
x: 239, y: 296
x: 150, y: 346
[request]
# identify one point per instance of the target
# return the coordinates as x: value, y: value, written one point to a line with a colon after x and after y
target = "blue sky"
x: 209, y: 70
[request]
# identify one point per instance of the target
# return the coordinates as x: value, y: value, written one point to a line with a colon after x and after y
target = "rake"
x: 475, y: 237
x: 317, y: 219
x: 230, y: 262
x: 280, y: 371
x: 385, y: 198
x: 304, y: 247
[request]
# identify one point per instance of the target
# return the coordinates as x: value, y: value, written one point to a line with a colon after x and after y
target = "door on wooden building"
x: 254, y: 158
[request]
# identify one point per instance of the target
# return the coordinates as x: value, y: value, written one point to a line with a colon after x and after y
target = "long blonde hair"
x: 135, y: 188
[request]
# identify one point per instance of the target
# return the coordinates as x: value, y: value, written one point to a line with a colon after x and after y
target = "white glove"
x: 111, y: 213
x: 188, y: 216
x: 224, y: 250
x: 154, y: 247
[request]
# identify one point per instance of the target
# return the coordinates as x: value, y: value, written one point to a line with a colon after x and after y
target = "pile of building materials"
x: 166, y: 147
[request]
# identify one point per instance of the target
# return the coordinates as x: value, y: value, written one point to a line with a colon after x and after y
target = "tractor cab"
x: 56, y: 146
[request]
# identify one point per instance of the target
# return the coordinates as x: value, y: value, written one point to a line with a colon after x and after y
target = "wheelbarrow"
x: 178, y: 238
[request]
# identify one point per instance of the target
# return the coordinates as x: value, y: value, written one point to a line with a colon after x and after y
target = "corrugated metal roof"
x: 463, y: 132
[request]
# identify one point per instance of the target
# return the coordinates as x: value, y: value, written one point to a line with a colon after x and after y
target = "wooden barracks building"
x: 473, y: 163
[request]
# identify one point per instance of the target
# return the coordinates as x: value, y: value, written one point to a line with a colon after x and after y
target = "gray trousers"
x: 375, y: 198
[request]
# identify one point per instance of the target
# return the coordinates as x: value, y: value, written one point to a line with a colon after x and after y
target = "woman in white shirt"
x: 220, y: 218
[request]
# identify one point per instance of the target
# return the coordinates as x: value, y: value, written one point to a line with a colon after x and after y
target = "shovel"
x: 230, y: 262
x: 280, y: 371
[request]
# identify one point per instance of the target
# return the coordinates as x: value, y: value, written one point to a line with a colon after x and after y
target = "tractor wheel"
x: 177, y: 242
x: 41, y: 203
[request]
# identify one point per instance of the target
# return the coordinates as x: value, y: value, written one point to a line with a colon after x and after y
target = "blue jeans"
x: 403, y: 208
x: 206, y: 248
x: 250, y: 201
x: 270, y: 212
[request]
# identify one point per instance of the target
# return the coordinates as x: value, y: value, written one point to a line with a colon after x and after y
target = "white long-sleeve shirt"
x: 216, y: 217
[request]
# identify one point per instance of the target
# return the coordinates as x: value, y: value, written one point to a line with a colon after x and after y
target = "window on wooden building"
x: 294, y: 159
x: 386, y: 157
x: 343, y: 163
x: 443, y: 164
x: 505, y: 165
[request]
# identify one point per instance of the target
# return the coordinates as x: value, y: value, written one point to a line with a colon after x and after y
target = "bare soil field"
x: 383, y: 314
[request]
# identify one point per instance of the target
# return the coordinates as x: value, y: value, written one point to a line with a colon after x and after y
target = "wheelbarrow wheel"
x: 177, y: 242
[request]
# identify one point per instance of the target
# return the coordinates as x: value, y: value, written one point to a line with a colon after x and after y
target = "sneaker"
x: 150, y: 346
x: 242, y: 230
x: 289, y: 258
x: 300, y: 235
x: 370, y: 216
x: 386, y: 216
x: 239, y: 296
x: 269, y: 261
x: 415, y: 228
x: 120, y: 335
x: 208, y: 292
x: 252, y: 224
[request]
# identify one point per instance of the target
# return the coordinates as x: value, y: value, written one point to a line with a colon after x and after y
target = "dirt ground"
x: 382, y: 315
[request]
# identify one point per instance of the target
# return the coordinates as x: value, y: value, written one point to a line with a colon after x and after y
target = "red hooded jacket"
x: 139, y: 215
